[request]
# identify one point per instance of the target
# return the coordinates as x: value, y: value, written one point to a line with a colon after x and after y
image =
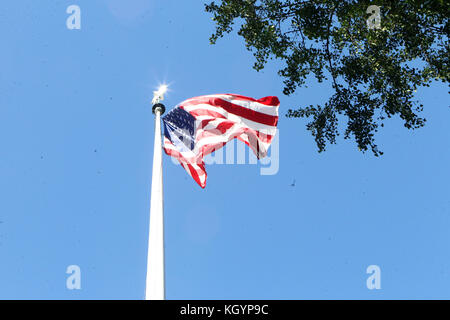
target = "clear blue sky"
x: 75, y: 164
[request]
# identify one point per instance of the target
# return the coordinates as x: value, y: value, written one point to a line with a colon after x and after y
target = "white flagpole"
x: 155, y: 289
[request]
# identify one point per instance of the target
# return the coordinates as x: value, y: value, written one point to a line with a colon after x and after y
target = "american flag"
x: 199, y: 126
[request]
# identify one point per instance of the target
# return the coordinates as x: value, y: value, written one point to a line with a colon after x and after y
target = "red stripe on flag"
x: 235, y: 109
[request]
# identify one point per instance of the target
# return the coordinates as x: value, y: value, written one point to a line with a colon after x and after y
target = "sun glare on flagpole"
x: 158, y: 95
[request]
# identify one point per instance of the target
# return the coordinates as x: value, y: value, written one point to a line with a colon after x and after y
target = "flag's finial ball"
x: 159, y: 106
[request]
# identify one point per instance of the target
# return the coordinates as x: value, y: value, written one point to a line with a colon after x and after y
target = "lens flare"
x: 158, y: 95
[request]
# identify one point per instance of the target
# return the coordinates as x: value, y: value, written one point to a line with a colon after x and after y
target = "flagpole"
x: 155, y: 289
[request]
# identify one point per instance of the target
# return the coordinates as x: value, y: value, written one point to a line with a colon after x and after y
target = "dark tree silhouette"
x: 374, y: 65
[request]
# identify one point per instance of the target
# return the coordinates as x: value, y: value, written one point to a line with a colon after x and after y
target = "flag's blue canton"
x: 179, y: 124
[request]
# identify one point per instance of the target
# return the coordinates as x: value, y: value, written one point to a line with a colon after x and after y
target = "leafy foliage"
x: 374, y: 72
